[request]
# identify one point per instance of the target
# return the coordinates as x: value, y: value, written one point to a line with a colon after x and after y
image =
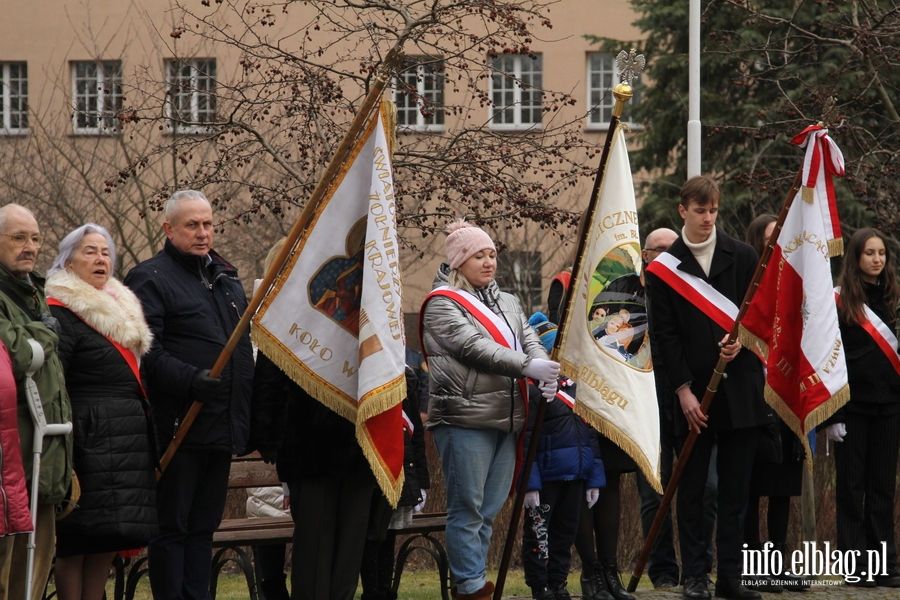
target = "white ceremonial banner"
x: 332, y: 320
x: 605, y: 347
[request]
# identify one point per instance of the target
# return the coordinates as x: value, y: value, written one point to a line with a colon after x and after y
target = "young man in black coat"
x: 192, y: 301
x: 688, y: 340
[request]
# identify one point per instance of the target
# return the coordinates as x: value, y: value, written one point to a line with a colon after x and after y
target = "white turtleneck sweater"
x: 703, y: 251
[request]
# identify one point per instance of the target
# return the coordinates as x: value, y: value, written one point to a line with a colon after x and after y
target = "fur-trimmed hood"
x: 114, y: 311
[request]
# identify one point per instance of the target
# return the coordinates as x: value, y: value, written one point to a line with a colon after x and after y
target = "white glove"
x: 532, y: 499
x: 591, y: 495
x: 541, y: 369
x: 548, y: 389
x: 836, y: 432
x: 418, y: 507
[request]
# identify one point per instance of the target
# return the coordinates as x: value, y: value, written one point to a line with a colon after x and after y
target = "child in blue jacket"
x: 567, y: 465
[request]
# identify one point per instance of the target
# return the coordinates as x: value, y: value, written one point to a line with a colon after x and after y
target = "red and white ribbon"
x: 822, y: 161
x: 880, y: 332
x: 695, y: 290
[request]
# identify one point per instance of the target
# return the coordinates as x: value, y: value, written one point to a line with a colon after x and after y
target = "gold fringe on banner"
x: 377, y: 401
x: 753, y: 343
x: 813, y: 419
x: 806, y: 194
x: 312, y: 384
x: 621, y: 440
x: 836, y: 247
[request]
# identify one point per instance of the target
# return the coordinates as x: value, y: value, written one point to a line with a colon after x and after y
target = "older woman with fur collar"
x: 103, y: 337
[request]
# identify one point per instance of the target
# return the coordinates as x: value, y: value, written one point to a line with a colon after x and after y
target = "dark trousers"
x: 190, y: 502
x: 331, y: 516
x: 269, y: 560
x: 865, y: 465
x: 734, y: 464
x: 662, y: 564
x: 549, y: 532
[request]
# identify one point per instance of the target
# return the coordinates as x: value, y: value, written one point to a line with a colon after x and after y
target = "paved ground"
x: 814, y: 593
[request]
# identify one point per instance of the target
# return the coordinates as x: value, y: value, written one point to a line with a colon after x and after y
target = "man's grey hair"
x: 6, y: 209
x: 173, y: 204
x: 71, y: 242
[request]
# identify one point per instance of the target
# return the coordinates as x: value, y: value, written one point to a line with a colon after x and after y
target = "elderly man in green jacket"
x: 24, y: 315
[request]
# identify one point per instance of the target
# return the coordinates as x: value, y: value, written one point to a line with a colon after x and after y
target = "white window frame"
x: 99, y: 100
x: 600, y: 99
x: 516, y: 83
x: 8, y: 98
x: 199, y: 74
x: 426, y: 71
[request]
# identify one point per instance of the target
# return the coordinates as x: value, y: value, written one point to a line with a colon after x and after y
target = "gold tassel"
x: 807, y: 195
x: 836, y: 247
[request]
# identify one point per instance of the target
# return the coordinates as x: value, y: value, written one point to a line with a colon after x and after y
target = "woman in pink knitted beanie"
x: 479, y: 345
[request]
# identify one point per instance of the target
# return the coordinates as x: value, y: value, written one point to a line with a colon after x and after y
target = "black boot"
x: 542, y: 592
x: 274, y: 588
x: 561, y: 593
x: 610, y: 570
x: 792, y: 582
x: 593, y: 585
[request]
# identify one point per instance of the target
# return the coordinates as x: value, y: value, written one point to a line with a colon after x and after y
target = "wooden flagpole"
x: 711, y: 388
x: 622, y: 93
x: 340, y: 156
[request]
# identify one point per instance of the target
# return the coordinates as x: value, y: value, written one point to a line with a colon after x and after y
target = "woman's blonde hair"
x: 458, y: 281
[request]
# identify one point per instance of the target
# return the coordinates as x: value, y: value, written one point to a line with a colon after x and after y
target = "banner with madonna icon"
x: 605, y: 347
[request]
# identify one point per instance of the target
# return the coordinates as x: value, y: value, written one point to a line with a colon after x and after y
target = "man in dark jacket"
x: 708, y: 264
x: 192, y: 301
x: 24, y: 315
x: 329, y: 478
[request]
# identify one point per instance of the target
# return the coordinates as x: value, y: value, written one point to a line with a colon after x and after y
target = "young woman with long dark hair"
x: 868, y: 426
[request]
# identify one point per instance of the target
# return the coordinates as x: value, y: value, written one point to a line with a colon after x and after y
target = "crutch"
x: 41, y: 429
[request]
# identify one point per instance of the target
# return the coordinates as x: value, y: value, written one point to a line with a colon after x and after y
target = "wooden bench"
x: 235, y: 534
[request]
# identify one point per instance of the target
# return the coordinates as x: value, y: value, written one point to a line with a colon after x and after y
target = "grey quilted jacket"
x: 472, y: 378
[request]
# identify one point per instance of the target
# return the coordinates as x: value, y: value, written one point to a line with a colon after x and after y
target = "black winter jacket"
x: 686, y: 339
x: 872, y: 378
x: 415, y: 462
x: 310, y: 440
x: 192, y: 308
x: 114, y: 457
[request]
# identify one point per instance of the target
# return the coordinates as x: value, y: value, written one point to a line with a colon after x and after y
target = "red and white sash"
x: 695, y: 290
x: 880, y: 332
x: 566, y: 398
x: 500, y: 332
x: 408, y: 423
x: 130, y: 359
x: 496, y: 326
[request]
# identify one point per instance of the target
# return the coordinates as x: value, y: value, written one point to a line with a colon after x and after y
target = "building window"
x: 13, y: 98
x: 602, y: 78
x: 519, y: 273
x: 419, y: 95
x: 516, y: 92
x: 192, y: 93
x: 96, y: 96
